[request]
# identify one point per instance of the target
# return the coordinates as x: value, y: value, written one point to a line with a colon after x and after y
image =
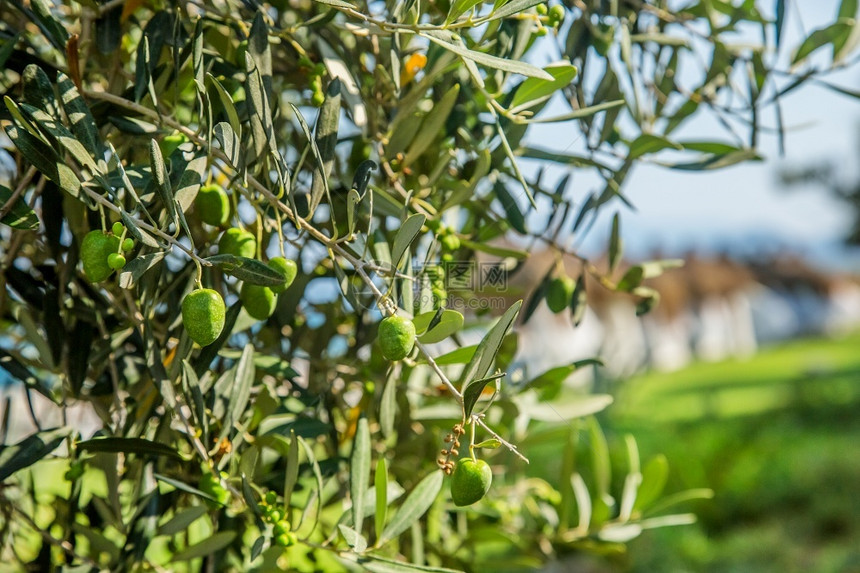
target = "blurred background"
x: 747, y: 376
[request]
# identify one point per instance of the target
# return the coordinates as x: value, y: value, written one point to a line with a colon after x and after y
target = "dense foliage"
x: 209, y: 207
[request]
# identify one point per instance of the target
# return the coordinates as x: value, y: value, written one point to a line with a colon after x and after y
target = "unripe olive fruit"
x: 559, y: 293
x: 451, y: 242
x: 287, y: 268
x: 212, y: 205
x: 171, y: 143
x: 237, y: 242
x: 258, y: 300
x: 116, y: 261
x: 96, y: 247
x: 127, y: 244
x: 271, y: 497
x: 396, y: 337
x: 203, y: 315
x: 541, y: 9
x: 211, y: 485
x: 318, y: 98
x: 117, y: 228
x: 281, y: 527
x: 556, y: 14
x: 470, y: 481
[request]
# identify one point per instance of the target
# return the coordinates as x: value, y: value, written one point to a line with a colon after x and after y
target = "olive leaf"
x: 416, y: 504
x: 473, y: 392
x: 359, y: 475
x: 489, y: 346
x: 248, y: 270
x: 30, y: 450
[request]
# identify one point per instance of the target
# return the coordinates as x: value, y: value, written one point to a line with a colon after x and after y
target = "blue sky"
x: 743, y: 205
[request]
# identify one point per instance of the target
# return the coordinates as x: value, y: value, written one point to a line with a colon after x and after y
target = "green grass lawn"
x: 777, y: 437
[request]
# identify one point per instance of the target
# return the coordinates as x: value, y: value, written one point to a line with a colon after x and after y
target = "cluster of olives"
x: 102, y: 252
x: 315, y: 74
x: 203, y: 310
x: 210, y: 484
x: 272, y: 514
x: 552, y: 16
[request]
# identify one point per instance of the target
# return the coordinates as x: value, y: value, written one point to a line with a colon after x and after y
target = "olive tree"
x: 243, y: 239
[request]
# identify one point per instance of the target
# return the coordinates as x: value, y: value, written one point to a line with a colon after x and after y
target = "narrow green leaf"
x: 503, y: 252
x: 631, y: 279
x: 717, y: 161
x: 337, y: 4
x: 460, y: 7
x: 43, y: 158
x: 162, y: 180
x: 229, y: 141
x: 241, y: 390
x: 208, y: 546
x: 359, y: 472
x: 514, y: 66
x: 460, y: 356
x: 137, y: 233
x: 512, y: 209
x: 81, y: 120
x: 380, y: 483
x: 409, y: 229
x: 416, y: 504
x: 181, y: 520
x: 450, y: 321
x: 326, y: 139
x: 248, y: 270
x: 316, y: 153
x: 433, y: 122
x: 19, y: 215
x: 491, y: 444
x: 39, y: 91
x: 129, y: 446
x: 487, y: 349
x: 51, y: 26
x: 291, y: 475
x: 511, y: 8
x: 182, y: 486
x: 376, y: 564
x: 534, y: 90
x: 30, y: 450
x: 650, y: 143
x: 65, y: 138
x: 820, y: 38
x: 473, y: 392
x: 136, y: 268
x: 654, y: 477
x: 616, y: 246
x: 355, y: 539
x: 388, y: 406
x: 227, y: 103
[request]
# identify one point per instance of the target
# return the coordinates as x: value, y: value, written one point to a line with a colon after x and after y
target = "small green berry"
x: 96, y: 247
x: 203, y: 314
x: 396, y: 337
x: 556, y: 14
x: 259, y: 301
x: 212, y: 205
x: 318, y: 98
x: 117, y: 228
x: 470, y: 481
x: 287, y: 268
x: 271, y: 497
x: 127, y: 244
x: 281, y: 527
x: 237, y: 242
x: 541, y: 9
x: 116, y: 261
